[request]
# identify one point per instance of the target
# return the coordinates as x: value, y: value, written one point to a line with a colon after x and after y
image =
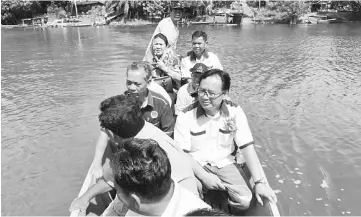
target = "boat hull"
x: 216, y: 199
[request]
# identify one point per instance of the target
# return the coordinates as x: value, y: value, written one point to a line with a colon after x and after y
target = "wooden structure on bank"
x: 37, y: 21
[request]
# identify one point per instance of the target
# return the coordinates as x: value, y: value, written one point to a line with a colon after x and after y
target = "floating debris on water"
x: 258, y: 146
x: 277, y: 176
x: 326, y: 204
x: 338, y: 199
x: 341, y: 189
x: 343, y: 213
x: 324, y: 184
x: 348, y: 212
x: 297, y: 168
x: 309, y: 185
x: 264, y: 165
x: 277, y: 191
x: 280, y: 181
x: 318, y: 199
x: 291, y: 198
x: 299, y: 173
x: 297, y: 182
x: 296, y: 186
x: 298, y: 202
x: 291, y: 172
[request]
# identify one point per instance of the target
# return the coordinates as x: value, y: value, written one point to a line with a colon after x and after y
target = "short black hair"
x: 224, y: 76
x: 122, y: 115
x: 206, y: 212
x: 142, y: 167
x: 111, y: 101
x: 198, y: 34
x: 163, y: 37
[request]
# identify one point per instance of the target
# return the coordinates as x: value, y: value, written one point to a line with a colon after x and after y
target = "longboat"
x: 216, y: 199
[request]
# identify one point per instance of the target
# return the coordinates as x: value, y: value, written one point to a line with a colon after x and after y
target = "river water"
x: 299, y: 86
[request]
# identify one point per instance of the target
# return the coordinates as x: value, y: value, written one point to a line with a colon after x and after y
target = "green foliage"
x: 13, y: 11
x: 288, y: 7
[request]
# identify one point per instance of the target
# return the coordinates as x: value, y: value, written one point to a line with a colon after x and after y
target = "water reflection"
x: 300, y: 88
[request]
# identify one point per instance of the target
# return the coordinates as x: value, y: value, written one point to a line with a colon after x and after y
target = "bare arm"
x: 252, y: 161
x: 81, y: 203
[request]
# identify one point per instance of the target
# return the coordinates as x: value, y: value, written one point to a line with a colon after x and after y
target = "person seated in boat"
x: 199, y: 54
x: 187, y: 94
x: 154, y: 107
x: 209, y: 131
x: 121, y: 118
x: 168, y: 27
x: 207, y: 212
x: 144, y: 184
x: 165, y: 63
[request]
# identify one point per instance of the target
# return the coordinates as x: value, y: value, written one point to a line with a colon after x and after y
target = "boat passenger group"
x: 165, y: 144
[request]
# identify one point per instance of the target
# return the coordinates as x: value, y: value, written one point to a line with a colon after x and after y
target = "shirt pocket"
x: 225, y: 138
x: 198, y: 138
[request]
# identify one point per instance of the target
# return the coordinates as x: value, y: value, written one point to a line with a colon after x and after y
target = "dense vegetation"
x: 13, y: 11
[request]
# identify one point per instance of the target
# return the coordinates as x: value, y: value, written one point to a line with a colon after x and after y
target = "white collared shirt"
x: 212, y: 62
x: 182, y: 202
x: 208, y: 139
x: 184, y: 99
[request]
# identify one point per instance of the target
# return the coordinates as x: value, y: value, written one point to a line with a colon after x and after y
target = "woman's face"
x: 158, y: 46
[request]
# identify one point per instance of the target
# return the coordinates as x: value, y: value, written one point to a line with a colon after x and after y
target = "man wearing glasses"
x: 210, y: 131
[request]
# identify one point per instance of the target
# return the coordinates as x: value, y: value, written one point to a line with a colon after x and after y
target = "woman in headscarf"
x: 164, y: 60
x: 168, y: 27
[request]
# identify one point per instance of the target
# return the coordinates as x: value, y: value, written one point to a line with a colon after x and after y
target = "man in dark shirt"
x: 155, y: 107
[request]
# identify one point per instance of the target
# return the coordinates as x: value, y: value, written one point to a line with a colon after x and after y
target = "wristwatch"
x: 260, y: 181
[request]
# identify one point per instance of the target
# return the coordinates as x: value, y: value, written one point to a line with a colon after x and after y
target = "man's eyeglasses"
x: 210, y: 95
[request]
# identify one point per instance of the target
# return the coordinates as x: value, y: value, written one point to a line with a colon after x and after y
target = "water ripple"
x: 300, y: 88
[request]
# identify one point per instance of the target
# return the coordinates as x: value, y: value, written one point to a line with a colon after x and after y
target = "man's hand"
x: 212, y: 182
x: 96, y: 170
x: 80, y: 204
x: 265, y: 191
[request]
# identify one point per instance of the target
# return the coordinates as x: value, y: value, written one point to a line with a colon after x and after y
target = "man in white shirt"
x: 209, y: 131
x: 143, y: 181
x: 199, y: 54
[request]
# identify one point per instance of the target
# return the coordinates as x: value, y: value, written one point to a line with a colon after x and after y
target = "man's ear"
x: 136, y: 200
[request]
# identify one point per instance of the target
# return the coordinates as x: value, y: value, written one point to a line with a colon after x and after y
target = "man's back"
x: 181, y: 168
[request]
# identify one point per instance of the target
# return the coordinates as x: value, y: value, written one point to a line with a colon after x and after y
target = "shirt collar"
x: 193, y: 57
x: 200, y: 111
x: 148, y: 100
x: 171, y: 207
x: 190, y: 88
